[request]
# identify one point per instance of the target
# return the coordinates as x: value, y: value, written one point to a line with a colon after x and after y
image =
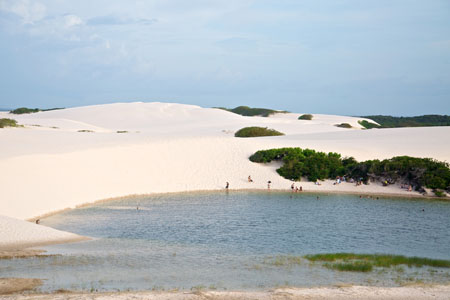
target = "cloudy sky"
x: 347, y: 57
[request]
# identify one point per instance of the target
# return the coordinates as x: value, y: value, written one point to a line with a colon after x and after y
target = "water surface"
x: 236, y: 240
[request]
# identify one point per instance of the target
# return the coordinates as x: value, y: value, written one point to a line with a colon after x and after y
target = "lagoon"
x: 237, y: 241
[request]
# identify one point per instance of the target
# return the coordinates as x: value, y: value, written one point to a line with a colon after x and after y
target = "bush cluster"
x: 25, y: 110
x: 418, y: 121
x: 251, y: 112
x: 297, y: 163
x: 256, y: 131
x: 344, y: 125
x: 368, y: 125
x: 306, y: 117
x: 8, y: 123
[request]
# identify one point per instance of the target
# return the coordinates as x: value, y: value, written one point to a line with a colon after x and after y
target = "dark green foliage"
x: 366, y: 124
x: 8, y: 123
x: 380, y: 260
x: 256, y: 131
x: 344, y: 125
x: 439, y: 193
x: 418, y: 121
x: 24, y: 110
x: 251, y: 112
x: 306, y: 117
x: 314, y: 165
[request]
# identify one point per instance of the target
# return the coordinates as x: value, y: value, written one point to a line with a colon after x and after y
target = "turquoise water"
x: 236, y: 240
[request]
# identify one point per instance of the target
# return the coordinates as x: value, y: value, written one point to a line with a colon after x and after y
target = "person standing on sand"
x: 227, y: 185
x: 250, y: 178
x: 292, y: 187
x: 268, y: 184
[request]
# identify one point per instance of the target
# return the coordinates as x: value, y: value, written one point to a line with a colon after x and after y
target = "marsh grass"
x: 354, y: 266
x: 283, y: 261
x: 366, y: 262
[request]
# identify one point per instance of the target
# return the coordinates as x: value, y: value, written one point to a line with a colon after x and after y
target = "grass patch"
x: 85, y: 130
x: 357, y: 266
x: 344, y: 125
x: 8, y: 123
x: 306, y: 117
x: 361, y: 262
x: 256, y: 131
x: 122, y: 131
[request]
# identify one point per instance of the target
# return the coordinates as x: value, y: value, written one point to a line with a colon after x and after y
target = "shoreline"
x: 436, y: 292
x: 365, y: 194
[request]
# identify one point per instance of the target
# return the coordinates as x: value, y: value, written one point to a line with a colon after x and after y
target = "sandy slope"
x: 49, y: 165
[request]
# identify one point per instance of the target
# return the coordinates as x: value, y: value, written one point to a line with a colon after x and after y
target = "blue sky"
x: 348, y: 57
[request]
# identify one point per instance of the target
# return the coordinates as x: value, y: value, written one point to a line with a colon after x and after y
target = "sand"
x: 352, y: 292
x: 65, y: 158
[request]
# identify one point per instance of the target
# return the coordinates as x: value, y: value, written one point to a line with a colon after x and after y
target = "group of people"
x: 249, y: 179
x: 296, y: 189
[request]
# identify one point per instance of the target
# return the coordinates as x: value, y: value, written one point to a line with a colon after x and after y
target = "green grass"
x: 356, y: 266
x: 306, y: 117
x: 85, y: 130
x: 256, y: 131
x: 283, y: 260
x: 122, y: 131
x: 8, y: 123
x: 376, y: 260
x: 344, y: 125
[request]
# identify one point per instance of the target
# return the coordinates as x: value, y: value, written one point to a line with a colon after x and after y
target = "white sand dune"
x: 49, y: 165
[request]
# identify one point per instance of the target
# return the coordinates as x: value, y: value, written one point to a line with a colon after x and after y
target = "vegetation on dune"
x: 368, y: 125
x: 365, y: 262
x: 256, y: 131
x: 306, y: 117
x: 25, y: 110
x: 344, y: 125
x: 297, y: 163
x: 418, y: 121
x: 8, y: 123
x: 251, y: 112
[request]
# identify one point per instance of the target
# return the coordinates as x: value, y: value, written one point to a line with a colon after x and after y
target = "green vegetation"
x: 256, y: 131
x: 368, y: 125
x: 122, y: 131
x: 283, y: 260
x: 356, y: 266
x: 25, y: 110
x: 306, y: 117
x: 8, y: 123
x: 378, y: 260
x: 344, y: 125
x: 85, y: 130
x: 418, y: 172
x: 418, y: 121
x: 251, y: 112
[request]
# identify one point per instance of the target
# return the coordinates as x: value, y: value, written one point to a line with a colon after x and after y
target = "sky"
x: 347, y: 57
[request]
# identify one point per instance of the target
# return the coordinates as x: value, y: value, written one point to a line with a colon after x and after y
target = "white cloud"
x: 72, y: 20
x: 29, y: 11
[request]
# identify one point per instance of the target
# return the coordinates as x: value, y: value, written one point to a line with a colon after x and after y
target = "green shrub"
x: 8, y: 123
x: 366, y: 124
x: 439, y: 193
x: 306, y: 117
x: 314, y: 165
x: 256, y: 131
x: 25, y: 110
x: 250, y: 112
x: 344, y: 125
x: 418, y: 121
